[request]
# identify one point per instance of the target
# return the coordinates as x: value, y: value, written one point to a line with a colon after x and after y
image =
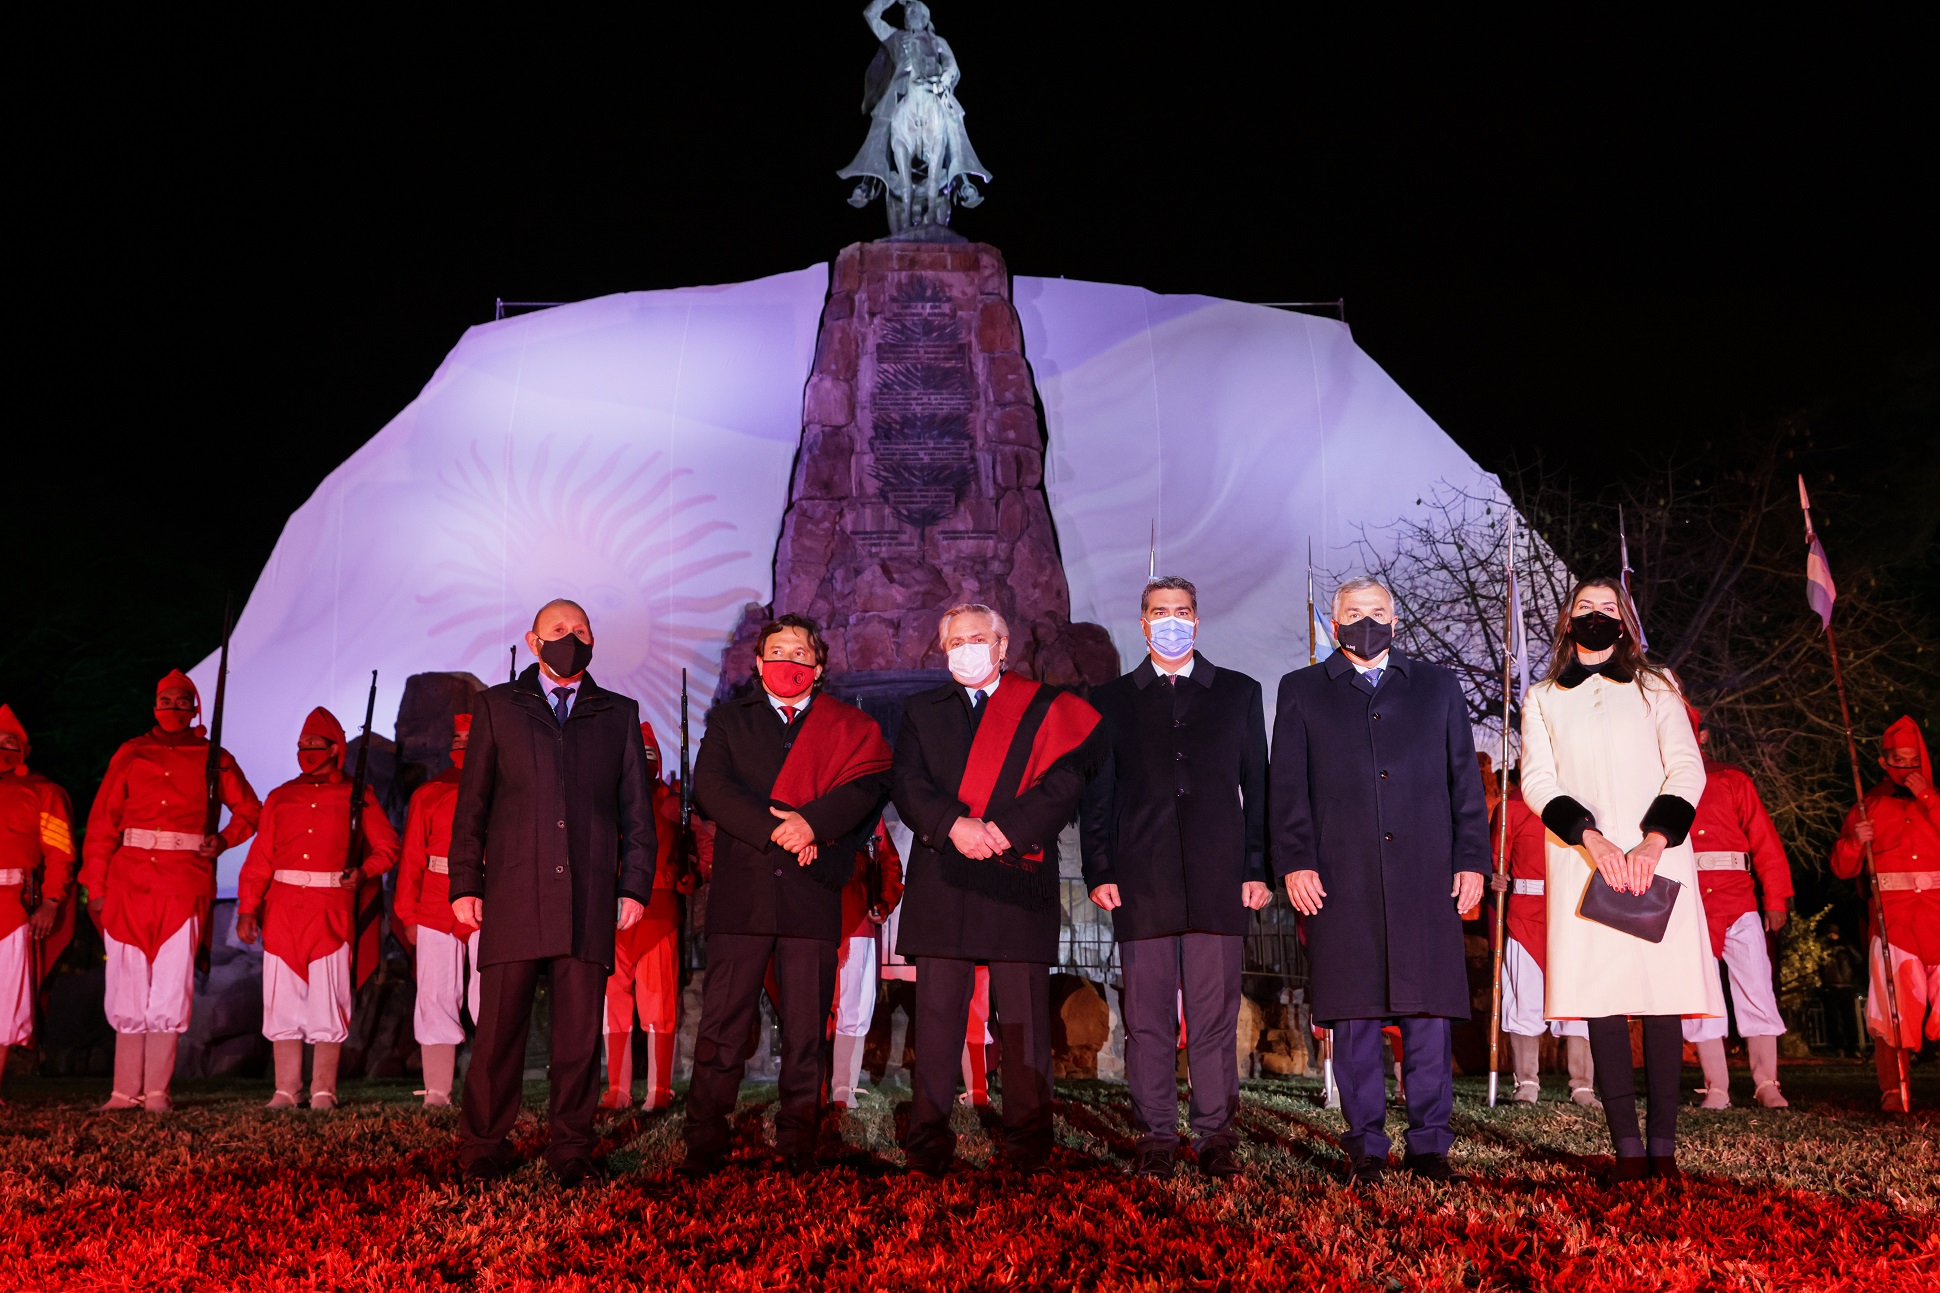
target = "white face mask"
x: 970, y: 663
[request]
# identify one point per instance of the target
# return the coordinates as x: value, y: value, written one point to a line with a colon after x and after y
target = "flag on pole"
x: 1515, y: 640
x: 1623, y: 545
x: 1819, y: 592
x: 1323, y: 638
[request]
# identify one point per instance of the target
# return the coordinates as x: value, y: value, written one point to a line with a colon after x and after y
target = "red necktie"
x: 787, y: 715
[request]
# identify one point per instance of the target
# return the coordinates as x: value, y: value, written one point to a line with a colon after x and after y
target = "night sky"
x: 243, y: 250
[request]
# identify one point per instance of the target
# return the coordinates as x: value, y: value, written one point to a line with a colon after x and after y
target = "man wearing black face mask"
x: 1381, y: 835
x: 554, y: 824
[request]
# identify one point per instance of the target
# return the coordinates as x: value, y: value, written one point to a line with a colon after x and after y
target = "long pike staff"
x: 212, y: 769
x: 1511, y: 647
x: 1820, y: 594
x: 1330, y: 1094
x: 368, y: 909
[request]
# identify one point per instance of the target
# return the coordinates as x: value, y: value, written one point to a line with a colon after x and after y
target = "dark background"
x: 1596, y: 238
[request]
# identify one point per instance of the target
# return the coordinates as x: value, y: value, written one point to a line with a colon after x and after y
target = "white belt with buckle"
x: 13, y: 875
x: 310, y: 879
x: 1907, y: 881
x: 1722, y: 862
x: 166, y: 841
x: 437, y: 865
x: 1529, y: 888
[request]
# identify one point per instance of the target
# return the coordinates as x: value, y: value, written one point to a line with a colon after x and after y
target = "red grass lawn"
x: 1827, y: 1196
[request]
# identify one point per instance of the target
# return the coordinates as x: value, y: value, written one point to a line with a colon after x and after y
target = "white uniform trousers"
x: 16, y: 988
x: 443, y: 962
x: 1753, y: 999
x: 855, y: 988
x: 1919, y: 993
x: 152, y: 996
x: 1522, y: 997
x: 314, y: 1011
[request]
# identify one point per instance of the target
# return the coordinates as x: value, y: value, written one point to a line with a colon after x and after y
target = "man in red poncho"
x: 150, y: 875
x: 867, y: 900
x: 1524, y: 956
x: 1735, y: 840
x: 446, y: 948
x: 36, y: 863
x: 1901, y: 819
x: 298, y: 890
x: 646, y: 963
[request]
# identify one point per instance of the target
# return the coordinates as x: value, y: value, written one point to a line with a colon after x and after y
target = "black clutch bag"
x: 1641, y: 915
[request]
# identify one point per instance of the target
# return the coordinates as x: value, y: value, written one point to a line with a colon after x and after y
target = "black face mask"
x: 1595, y: 631
x: 567, y: 657
x: 1366, y: 638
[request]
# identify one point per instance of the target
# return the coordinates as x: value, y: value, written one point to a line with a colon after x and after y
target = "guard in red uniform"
x: 1902, y: 822
x: 36, y: 864
x: 646, y: 963
x: 296, y: 892
x: 871, y: 894
x: 150, y: 875
x: 447, y: 948
x: 1735, y: 839
x: 1524, y: 956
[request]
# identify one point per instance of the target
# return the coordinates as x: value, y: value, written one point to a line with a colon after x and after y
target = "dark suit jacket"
x: 553, y: 825
x: 758, y: 887
x: 940, y: 919
x: 1377, y: 790
x: 1177, y: 817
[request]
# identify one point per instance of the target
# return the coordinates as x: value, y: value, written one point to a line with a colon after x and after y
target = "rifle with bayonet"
x: 357, y: 783
x: 212, y: 773
x: 686, y: 852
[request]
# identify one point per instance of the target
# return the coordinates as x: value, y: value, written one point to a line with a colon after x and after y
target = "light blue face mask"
x: 1172, y: 637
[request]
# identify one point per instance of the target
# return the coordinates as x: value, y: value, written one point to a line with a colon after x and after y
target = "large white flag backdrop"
x: 633, y: 452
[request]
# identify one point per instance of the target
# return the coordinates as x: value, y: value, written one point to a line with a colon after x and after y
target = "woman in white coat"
x: 1612, y: 768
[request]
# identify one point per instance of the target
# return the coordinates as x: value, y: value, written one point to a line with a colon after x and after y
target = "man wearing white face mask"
x: 988, y: 769
x: 1174, y: 837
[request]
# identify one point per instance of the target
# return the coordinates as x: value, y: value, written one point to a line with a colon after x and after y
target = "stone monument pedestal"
x: 920, y: 482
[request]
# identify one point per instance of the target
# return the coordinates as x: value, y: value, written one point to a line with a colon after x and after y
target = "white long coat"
x: 1614, y: 747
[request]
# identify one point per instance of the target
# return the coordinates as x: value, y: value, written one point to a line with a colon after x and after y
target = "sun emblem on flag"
x: 617, y: 531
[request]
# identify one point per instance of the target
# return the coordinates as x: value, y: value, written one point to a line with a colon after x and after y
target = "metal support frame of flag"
x: 1820, y: 595
x: 1623, y: 550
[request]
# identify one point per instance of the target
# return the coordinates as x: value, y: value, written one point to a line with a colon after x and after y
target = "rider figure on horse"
x: 917, y: 151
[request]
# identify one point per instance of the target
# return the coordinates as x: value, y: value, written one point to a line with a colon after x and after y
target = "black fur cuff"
x: 1670, y: 817
x: 1568, y: 819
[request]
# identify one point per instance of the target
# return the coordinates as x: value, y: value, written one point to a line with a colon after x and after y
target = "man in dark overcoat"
x: 989, y: 769
x: 794, y: 782
x: 552, y: 849
x: 1174, y: 843
x: 1381, y: 835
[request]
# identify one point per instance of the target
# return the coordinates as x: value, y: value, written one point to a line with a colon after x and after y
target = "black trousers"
x: 1020, y: 1006
x: 737, y: 965
x: 1205, y: 970
x: 1617, y: 1082
x: 496, y: 1080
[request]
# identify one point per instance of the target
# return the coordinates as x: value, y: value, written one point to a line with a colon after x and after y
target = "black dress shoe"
x: 1429, y: 1167
x: 1219, y: 1161
x: 1157, y: 1163
x: 935, y: 1166
x: 576, y: 1172
x: 1663, y: 1167
x: 700, y: 1163
x: 1629, y: 1169
x: 484, y: 1170
x: 1365, y: 1170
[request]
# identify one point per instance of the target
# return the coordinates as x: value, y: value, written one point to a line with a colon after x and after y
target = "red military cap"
x: 9, y: 722
x: 176, y: 678
x: 652, y: 741
x: 1904, y: 734
x: 322, y: 722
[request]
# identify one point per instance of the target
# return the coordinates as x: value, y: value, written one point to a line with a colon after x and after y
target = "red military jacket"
x: 306, y: 827
x: 1731, y: 818
x: 1528, y: 860
x: 36, y: 835
x: 156, y: 782
x: 663, y: 911
x: 423, y: 896
x: 1906, y: 838
x: 856, y: 896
